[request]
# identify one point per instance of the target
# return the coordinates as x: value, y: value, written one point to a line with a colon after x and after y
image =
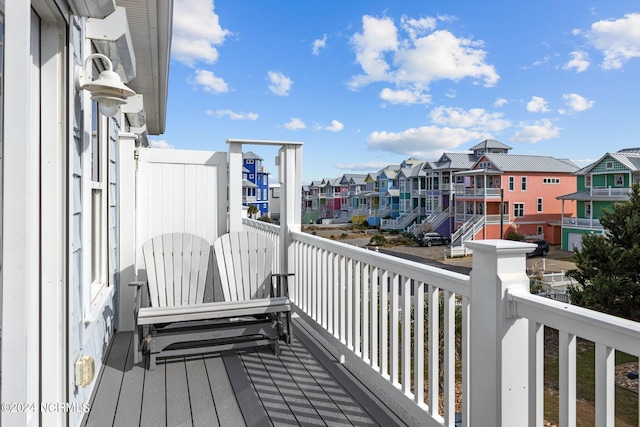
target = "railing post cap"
x: 499, y: 246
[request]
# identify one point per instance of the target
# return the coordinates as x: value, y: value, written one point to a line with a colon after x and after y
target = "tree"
x: 252, y: 210
x: 607, y: 267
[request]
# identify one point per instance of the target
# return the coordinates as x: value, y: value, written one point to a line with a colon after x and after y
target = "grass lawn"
x: 626, y: 401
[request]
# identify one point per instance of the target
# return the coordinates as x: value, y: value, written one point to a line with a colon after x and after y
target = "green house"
x: 599, y: 186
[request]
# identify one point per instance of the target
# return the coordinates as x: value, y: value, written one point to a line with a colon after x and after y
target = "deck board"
x: 229, y: 413
x: 203, y: 409
x: 130, y: 399
x: 178, y: 404
x: 303, y: 385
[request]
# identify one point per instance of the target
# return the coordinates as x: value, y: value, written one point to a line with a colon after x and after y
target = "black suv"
x: 429, y: 239
x: 542, y: 249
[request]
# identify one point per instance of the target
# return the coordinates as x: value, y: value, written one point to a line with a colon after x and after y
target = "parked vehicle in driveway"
x: 430, y: 239
x: 541, y: 250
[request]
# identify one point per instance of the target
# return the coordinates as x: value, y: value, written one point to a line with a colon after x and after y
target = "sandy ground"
x: 555, y: 261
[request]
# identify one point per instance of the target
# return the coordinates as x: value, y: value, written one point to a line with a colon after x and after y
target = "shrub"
x: 378, y: 240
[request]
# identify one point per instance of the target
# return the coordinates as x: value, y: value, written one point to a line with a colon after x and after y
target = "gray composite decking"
x: 304, y: 385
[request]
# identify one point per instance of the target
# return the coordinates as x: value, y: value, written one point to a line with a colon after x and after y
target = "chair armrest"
x: 141, y: 298
x: 282, y: 284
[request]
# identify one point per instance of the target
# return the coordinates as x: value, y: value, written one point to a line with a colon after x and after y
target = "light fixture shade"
x: 107, y: 89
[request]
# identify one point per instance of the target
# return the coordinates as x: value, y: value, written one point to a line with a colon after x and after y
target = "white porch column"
x: 21, y: 216
x: 290, y: 177
x: 499, y: 344
x: 235, y: 185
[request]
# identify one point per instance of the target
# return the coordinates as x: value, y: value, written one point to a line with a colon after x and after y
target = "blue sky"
x: 367, y: 83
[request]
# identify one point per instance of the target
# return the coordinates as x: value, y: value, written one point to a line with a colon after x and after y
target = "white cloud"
x: 500, y: 102
x: 319, y: 44
x: 404, y: 96
x: 536, y: 131
x: 232, y: 115
x: 335, y: 126
x: 579, y: 61
x: 196, y: 32
x: 160, y: 143
x: 208, y: 82
x: 365, y: 166
x: 477, y: 119
x: 423, y: 142
x: 537, y: 105
x: 295, y: 124
x: 280, y: 84
x: 421, y: 57
x: 577, y: 102
x: 618, y: 40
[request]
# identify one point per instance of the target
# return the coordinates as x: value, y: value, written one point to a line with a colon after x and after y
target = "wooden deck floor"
x: 304, y: 385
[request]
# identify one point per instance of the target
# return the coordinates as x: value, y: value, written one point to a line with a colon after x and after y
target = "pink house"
x: 523, y: 188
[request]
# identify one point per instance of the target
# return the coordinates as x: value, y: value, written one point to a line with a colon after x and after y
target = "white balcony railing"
x: 408, y: 330
x: 591, y: 223
x: 610, y: 192
x: 462, y: 191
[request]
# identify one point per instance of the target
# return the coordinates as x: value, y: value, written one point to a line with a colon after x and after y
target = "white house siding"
x: 88, y: 336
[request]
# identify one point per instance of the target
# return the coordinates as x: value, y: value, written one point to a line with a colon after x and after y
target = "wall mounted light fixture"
x: 107, y: 90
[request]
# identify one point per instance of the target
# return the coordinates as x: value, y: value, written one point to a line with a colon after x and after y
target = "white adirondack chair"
x: 171, y: 315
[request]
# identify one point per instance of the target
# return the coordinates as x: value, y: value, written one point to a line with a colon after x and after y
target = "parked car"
x: 541, y: 250
x: 430, y: 239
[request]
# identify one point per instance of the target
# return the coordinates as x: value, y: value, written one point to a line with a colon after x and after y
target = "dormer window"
x: 608, y: 165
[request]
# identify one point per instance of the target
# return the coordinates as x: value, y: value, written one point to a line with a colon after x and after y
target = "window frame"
x: 523, y: 183
x: 512, y: 183
x: 518, y: 206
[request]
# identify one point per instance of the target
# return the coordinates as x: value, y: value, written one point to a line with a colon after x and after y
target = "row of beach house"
x: 484, y: 193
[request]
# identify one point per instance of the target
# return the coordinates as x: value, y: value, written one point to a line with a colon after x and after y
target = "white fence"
x: 408, y: 330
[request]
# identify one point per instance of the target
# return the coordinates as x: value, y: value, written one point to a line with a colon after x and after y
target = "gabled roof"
x: 629, y: 157
x: 456, y: 161
x: 490, y: 143
x: 527, y: 163
x: 358, y: 179
x: 394, y: 192
x: 347, y: 177
x: 251, y: 155
x: 248, y: 184
x: 390, y: 173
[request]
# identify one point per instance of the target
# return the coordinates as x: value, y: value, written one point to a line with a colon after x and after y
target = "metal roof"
x: 251, y: 155
x: 490, y: 143
x: 585, y: 195
x: 528, y: 163
x: 629, y: 157
x: 457, y: 161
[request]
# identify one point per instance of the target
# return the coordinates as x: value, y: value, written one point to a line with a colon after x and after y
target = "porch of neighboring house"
x: 303, y: 385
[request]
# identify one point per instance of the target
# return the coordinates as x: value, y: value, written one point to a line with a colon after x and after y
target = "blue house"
x: 255, y: 179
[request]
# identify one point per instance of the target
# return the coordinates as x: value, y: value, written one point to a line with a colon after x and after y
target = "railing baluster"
x: 342, y: 265
x: 449, y: 358
x: 466, y: 396
x: 567, y: 378
x: 357, y: 312
x: 418, y: 343
x: 536, y: 377
x: 434, y: 348
x: 384, y: 324
x: 365, y: 322
x: 394, y: 324
x: 375, y: 313
x: 406, y: 359
x: 349, y: 307
x: 605, y: 385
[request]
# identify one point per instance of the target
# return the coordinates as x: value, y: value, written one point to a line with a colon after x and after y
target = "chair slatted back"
x: 176, y: 269
x: 245, y: 263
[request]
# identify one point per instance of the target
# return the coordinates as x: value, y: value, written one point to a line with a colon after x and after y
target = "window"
x: 518, y: 210
x: 619, y: 180
x: 587, y: 209
x: 523, y: 184
x: 264, y: 194
x: 249, y: 161
x: 251, y: 176
x: 587, y: 181
x: 539, y: 231
x: 264, y: 180
x: 608, y: 165
x: 512, y: 183
x: 539, y: 204
x: 551, y: 180
x: 97, y: 207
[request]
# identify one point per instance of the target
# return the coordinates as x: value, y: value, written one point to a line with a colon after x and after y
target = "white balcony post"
x: 499, y: 344
x: 235, y: 185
